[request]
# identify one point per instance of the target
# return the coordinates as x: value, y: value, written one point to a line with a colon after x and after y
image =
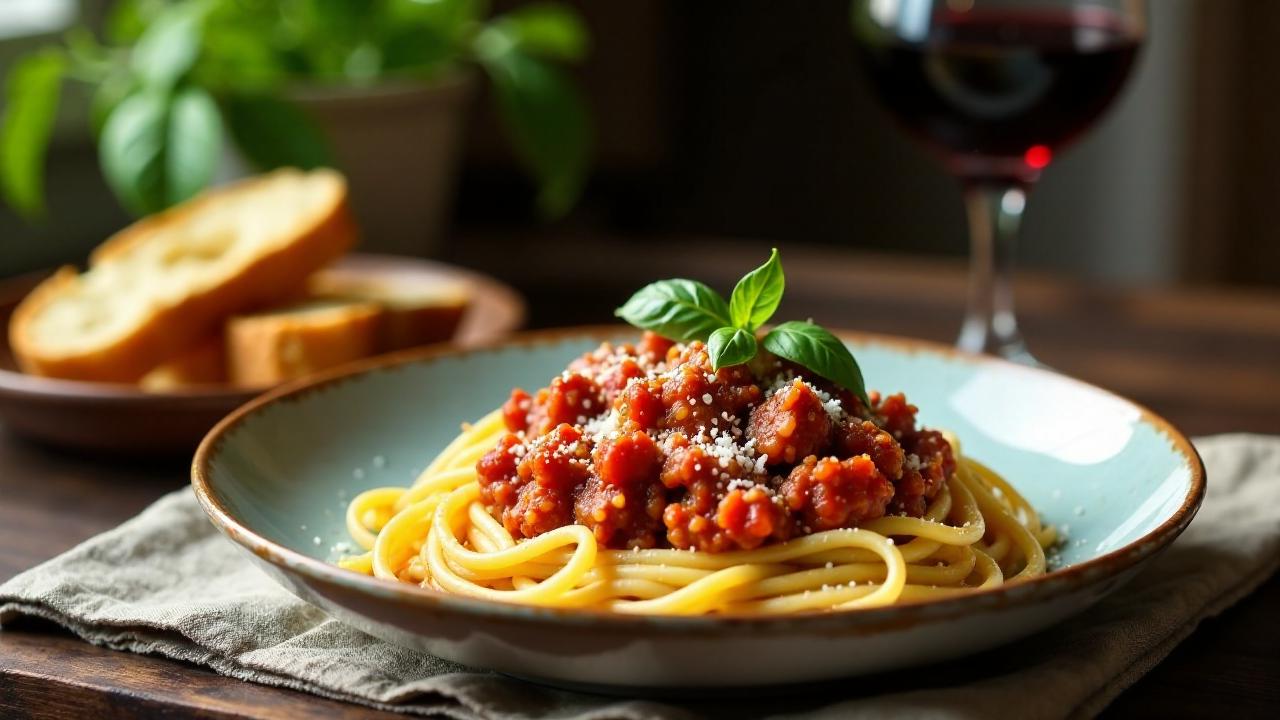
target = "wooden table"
x: 1207, y: 360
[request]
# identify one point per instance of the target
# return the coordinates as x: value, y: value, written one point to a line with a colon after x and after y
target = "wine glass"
x: 996, y: 88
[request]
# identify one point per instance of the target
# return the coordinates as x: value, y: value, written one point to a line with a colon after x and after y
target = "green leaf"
x: 239, y: 52
x: 818, y: 350
x: 194, y: 144
x: 273, y: 133
x: 131, y: 150
x: 324, y: 33
x: 546, y: 30
x: 426, y: 38
x: 448, y: 16
x: 443, y: 30
x: 90, y: 61
x: 756, y: 296
x: 730, y: 346
x: 128, y: 19
x: 678, y: 309
x: 545, y: 117
x: 410, y: 50
x: 110, y: 93
x: 32, y: 109
x: 159, y: 148
x: 168, y: 48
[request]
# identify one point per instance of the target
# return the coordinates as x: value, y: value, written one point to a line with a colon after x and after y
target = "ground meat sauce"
x: 647, y: 446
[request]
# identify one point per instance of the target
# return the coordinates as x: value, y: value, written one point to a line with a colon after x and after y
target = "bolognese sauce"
x: 648, y: 446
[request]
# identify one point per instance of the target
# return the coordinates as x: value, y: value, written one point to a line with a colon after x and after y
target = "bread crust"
x: 404, y: 328
x: 278, y: 345
x: 407, y: 321
x: 272, y: 276
x: 204, y: 363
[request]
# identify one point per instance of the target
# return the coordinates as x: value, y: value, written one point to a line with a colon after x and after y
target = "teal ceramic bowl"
x: 276, y: 475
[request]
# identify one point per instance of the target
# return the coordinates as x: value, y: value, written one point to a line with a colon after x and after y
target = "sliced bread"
x: 416, y: 312
x: 204, y: 363
x: 158, y: 287
x: 269, y: 347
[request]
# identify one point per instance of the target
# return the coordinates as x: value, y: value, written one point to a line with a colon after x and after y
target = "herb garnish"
x: 686, y: 310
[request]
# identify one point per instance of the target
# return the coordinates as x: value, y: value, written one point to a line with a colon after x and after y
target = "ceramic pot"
x: 400, y: 145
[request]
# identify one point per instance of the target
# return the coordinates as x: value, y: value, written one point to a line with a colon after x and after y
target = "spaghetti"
x: 448, y: 533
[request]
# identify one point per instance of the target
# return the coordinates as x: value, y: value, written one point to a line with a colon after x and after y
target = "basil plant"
x: 171, y: 78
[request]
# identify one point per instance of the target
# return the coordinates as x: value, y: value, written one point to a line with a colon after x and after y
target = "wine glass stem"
x: 990, y: 326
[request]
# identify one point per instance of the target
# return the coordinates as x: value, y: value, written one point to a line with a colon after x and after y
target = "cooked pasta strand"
x: 978, y: 532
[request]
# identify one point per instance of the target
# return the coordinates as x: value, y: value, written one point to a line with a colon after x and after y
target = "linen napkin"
x: 167, y: 583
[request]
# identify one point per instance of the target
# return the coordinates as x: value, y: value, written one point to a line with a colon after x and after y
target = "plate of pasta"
x: 703, y: 500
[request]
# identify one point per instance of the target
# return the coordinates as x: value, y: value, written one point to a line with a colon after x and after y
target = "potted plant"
x: 377, y: 88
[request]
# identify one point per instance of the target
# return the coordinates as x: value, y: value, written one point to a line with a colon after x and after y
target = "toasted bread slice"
x: 286, y: 343
x: 205, y: 363
x: 156, y: 288
x: 417, y: 313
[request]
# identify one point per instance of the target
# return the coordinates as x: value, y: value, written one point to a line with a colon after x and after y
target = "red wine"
x: 997, y: 91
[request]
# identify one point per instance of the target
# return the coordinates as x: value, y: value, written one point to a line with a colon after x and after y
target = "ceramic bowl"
x: 276, y: 475
x: 123, y: 419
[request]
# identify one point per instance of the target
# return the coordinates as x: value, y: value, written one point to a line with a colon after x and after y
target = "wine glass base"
x: 1021, y: 356
x: 976, y: 338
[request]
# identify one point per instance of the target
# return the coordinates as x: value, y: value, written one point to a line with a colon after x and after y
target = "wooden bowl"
x: 123, y: 419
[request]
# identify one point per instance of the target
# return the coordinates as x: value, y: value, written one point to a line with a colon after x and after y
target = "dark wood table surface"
x: 1208, y: 360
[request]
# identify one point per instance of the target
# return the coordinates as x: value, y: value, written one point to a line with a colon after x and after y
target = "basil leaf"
x: 131, y: 150
x: 113, y: 89
x: 730, y: 346
x: 169, y: 46
x: 818, y: 350
x: 126, y: 20
x: 235, y: 57
x: 757, y: 294
x: 546, y: 30
x: 274, y: 133
x: 32, y: 100
x: 544, y: 115
x: 159, y: 148
x: 681, y: 310
x: 194, y: 144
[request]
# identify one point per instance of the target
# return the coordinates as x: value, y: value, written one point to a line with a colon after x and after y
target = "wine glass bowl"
x: 996, y: 88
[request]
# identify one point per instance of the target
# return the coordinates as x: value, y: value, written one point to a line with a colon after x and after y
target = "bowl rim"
x: 1052, y: 584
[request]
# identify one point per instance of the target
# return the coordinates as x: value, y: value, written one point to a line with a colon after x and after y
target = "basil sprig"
x: 817, y: 349
x: 678, y: 309
x: 756, y: 296
x: 731, y: 346
x: 686, y: 310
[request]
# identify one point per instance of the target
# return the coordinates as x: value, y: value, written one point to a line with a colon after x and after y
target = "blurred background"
x: 750, y: 121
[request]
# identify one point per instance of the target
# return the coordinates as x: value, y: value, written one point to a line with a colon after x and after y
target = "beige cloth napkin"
x: 167, y: 583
